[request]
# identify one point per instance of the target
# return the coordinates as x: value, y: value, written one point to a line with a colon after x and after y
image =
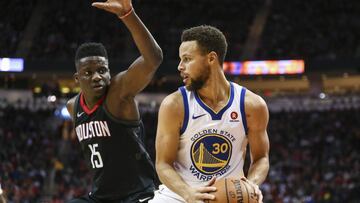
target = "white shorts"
x: 165, y: 195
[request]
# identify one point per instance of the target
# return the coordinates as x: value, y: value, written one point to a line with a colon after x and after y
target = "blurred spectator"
x: 68, y: 24
x: 315, y: 29
x: 14, y: 17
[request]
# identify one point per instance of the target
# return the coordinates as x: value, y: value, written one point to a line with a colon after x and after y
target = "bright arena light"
x: 51, y: 98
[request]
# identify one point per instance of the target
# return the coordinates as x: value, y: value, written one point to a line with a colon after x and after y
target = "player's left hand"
x: 257, y: 194
x: 117, y: 7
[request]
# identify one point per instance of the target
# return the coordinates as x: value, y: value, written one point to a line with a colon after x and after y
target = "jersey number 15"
x: 96, y: 160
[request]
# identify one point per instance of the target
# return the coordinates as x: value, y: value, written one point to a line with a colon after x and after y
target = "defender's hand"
x: 117, y: 7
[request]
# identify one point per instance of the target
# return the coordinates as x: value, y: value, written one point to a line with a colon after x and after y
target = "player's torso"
x: 114, y: 151
x: 213, y: 144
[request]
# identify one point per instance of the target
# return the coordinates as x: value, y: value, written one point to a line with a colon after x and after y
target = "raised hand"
x: 117, y: 7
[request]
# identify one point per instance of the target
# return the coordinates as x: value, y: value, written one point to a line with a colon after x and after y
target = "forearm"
x: 169, y: 177
x: 145, y: 42
x: 259, y: 170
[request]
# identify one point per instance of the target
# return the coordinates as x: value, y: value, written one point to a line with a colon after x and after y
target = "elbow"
x: 161, y: 167
x: 158, y: 57
x: 154, y: 60
x: 159, y: 170
x: 263, y: 161
x: 266, y: 163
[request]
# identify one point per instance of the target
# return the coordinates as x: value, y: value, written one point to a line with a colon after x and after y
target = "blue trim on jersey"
x: 216, y: 116
x: 242, y: 109
x: 186, y: 110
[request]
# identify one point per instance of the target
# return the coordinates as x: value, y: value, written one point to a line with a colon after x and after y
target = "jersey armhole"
x: 186, y: 110
x: 242, y: 109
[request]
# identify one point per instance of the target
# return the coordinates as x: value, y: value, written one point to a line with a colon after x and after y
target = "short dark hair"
x: 90, y: 49
x: 209, y: 39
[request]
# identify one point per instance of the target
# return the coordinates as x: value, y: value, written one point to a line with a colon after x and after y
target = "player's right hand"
x: 199, y: 194
x: 117, y: 7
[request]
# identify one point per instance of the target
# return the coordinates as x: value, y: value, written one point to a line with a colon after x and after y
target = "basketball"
x: 232, y: 190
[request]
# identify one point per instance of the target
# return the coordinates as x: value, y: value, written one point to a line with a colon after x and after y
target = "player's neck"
x: 216, y: 91
x: 91, y: 101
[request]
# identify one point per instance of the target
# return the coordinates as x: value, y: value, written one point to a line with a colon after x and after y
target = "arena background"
x: 314, y: 126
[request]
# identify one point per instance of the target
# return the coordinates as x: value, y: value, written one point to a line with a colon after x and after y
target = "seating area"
x: 14, y: 17
x: 313, y: 151
x: 313, y: 135
x: 315, y: 29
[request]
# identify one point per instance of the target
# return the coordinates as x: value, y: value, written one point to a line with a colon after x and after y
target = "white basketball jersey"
x: 212, y: 143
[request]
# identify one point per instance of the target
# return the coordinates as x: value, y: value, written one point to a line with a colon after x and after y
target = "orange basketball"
x: 231, y: 190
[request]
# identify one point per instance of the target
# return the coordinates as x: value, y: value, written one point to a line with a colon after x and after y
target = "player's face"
x: 93, y: 77
x: 194, y: 67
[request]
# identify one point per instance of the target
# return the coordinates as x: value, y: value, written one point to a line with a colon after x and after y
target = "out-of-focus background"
x: 302, y: 57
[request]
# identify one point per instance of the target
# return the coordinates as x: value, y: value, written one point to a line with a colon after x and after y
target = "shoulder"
x: 71, y: 102
x: 256, y: 110
x: 172, y: 107
x: 173, y: 101
x: 118, y: 77
x: 70, y: 106
x: 171, y: 114
x: 254, y: 102
x: 117, y: 81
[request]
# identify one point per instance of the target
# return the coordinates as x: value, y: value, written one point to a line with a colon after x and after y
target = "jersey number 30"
x: 96, y: 160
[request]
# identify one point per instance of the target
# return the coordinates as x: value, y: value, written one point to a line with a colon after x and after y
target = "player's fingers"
x: 101, y: 5
x: 211, y: 182
x: 206, y: 189
x: 205, y: 196
x: 257, y: 192
x: 256, y: 188
x: 244, y: 179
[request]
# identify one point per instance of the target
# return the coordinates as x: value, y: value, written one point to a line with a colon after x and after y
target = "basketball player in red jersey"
x: 205, y: 126
x: 106, y: 117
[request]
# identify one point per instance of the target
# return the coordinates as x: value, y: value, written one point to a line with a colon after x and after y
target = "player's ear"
x: 212, y: 57
x: 76, y: 77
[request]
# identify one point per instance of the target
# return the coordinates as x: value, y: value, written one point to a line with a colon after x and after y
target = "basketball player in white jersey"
x: 205, y: 126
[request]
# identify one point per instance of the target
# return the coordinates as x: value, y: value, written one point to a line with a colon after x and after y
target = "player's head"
x: 202, y: 48
x: 92, y: 69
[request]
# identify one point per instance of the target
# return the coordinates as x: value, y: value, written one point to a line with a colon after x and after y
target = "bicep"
x: 137, y: 76
x: 257, y: 134
x: 168, y: 133
x: 259, y: 144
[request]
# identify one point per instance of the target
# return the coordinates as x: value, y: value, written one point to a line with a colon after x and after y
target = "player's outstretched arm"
x: 143, y: 68
x: 170, y: 119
